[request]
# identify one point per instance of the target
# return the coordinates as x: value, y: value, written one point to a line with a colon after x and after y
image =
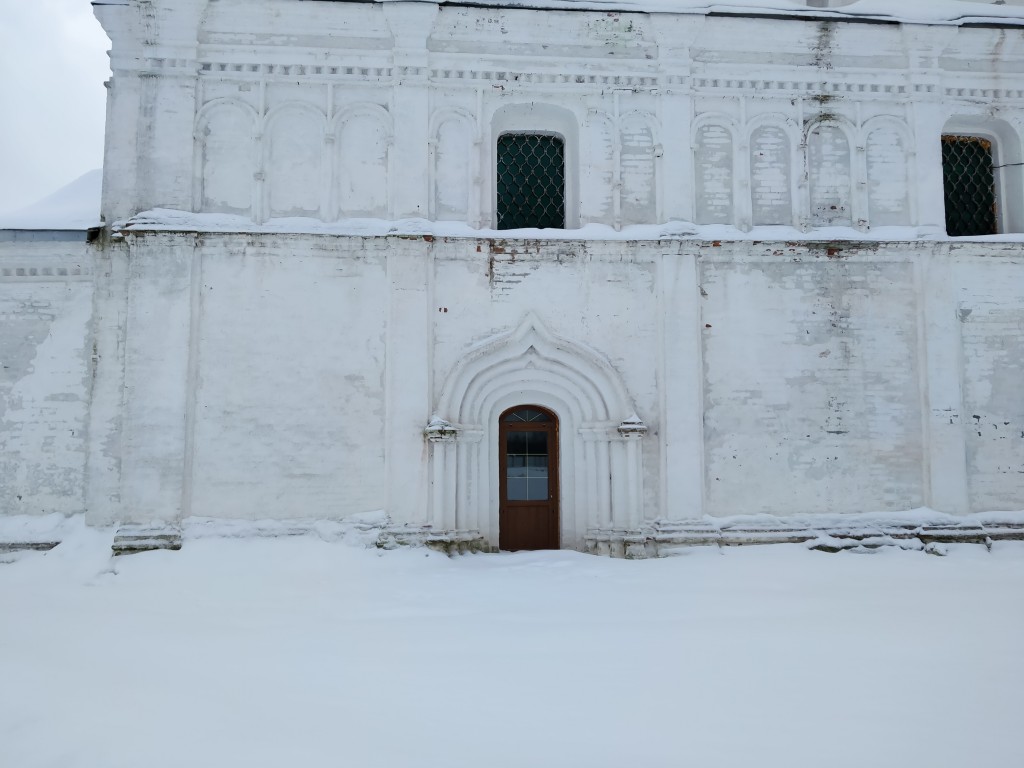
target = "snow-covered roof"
x: 913, y: 11
x: 74, y: 207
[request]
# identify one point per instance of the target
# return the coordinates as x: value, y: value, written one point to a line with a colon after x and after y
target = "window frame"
x: 565, y: 179
x: 1008, y: 174
x: 544, y: 120
x: 997, y: 201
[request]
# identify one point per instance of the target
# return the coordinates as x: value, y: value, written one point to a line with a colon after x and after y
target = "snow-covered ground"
x: 295, y: 652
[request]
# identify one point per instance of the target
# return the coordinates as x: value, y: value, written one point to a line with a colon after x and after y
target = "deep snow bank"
x: 301, y: 652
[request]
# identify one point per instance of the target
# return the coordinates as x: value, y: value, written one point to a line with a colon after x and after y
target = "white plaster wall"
x: 779, y: 377
x: 812, y: 392
x: 720, y: 120
x: 990, y: 308
x: 601, y: 296
x: 289, y: 389
x: 290, y: 375
x: 45, y: 312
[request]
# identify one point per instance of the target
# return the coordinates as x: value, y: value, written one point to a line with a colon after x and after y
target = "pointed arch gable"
x: 528, y: 351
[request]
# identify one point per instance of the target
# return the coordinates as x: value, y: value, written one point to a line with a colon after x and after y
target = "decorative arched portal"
x: 528, y: 479
x: 598, y: 436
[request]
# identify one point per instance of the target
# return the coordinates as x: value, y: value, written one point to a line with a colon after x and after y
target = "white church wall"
x: 288, y: 372
x: 831, y: 123
x: 603, y: 296
x: 781, y: 378
x: 289, y: 400
x: 812, y: 372
x: 157, y: 383
x: 46, y: 297
x: 990, y: 311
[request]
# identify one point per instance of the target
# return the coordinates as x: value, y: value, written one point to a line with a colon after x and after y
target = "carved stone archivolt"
x: 600, y: 432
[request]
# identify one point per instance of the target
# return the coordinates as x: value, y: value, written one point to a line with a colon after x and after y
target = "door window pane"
x: 526, y: 466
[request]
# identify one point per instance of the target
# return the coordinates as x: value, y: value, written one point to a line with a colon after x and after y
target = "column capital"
x: 439, y: 430
x: 632, y: 428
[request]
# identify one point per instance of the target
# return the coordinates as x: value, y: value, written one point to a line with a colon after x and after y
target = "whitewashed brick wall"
x: 45, y: 313
x: 392, y: 110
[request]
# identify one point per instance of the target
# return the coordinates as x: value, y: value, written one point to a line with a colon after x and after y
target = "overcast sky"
x: 53, y: 63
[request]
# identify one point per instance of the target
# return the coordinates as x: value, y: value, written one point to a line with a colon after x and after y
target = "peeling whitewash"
x: 272, y: 369
x: 292, y: 376
x: 45, y: 313
x: 282, y: 109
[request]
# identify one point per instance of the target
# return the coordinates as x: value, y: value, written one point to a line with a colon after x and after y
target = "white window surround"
x: 1007, y: 156
x: 543, y: 119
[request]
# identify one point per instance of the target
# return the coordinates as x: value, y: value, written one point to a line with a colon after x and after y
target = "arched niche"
x: 639, y: 172
x: 888, y: 153
x: 597, y: 198
x: 772, y: 191
x: 453, y: 168
x: 226, y: 158
x: 363, y: 138
x: 830, y: 175
x: 294, y: 161
x: 601, y: 482
x: 713, y: 162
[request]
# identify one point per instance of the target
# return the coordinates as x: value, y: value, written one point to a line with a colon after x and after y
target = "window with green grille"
x: 531, y: 181
x: 970, y: 190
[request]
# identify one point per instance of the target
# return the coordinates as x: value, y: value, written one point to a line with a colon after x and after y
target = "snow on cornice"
x: 946, y: 12
x: 166, y: 220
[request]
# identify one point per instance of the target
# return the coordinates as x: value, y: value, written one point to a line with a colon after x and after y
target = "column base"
x: 132, y: 539
x: 448, y: 542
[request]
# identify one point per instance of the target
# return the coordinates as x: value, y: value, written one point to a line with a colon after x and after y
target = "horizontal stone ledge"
x: 27, y: 546
x: 132, y: 539
x: 448, y: 542
x: 661, y: 539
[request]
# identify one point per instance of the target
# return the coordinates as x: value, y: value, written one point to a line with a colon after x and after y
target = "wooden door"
x: 528, y: 466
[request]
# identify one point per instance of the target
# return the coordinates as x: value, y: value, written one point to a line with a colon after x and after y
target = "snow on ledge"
x: 164, y: 220
x: 956, y: 12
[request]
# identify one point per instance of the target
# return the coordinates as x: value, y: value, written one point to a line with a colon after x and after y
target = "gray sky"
x: 52, y: 66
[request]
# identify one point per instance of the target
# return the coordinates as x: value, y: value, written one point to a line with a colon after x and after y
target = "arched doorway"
x: 599, y: 475
x: 528, y: 479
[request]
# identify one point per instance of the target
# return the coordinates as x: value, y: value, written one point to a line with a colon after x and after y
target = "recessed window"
x: 969, y: 185
x: 531, y: 181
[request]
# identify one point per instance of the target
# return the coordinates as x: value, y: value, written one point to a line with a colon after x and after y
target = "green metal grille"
x: 969, y: 183
x: 531, y: 181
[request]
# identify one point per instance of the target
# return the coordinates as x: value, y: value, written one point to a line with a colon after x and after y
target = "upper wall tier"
x: 334, y: 111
